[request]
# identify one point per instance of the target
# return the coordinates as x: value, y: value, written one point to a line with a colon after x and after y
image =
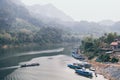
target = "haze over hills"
x: 48, y: 12
x: 14, y: 12
x: 106, y: 22
x: 52, y: 16
x: 10, y: 11
x: 45, y: 27
x: 18, y: 26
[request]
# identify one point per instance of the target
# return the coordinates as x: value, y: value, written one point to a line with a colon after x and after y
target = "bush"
x: 104, y: 57
x: 91, y: 57
x: 114, y: 60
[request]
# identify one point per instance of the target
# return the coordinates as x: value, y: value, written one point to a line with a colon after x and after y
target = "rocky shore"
x: 109, y: 71
x: 113, y: 71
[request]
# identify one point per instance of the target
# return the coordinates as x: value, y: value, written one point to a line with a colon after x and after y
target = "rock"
x: 113, y: 71
x: 5, y: 47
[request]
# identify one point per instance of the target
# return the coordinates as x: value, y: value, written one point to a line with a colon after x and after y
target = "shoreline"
x: 103, y: 69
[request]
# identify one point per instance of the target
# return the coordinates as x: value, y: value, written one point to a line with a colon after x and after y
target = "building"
x: 115, y: 46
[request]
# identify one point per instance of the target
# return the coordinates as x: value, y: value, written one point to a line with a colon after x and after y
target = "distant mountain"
x: 18, y: 26
x: 10, y: 10
x: 54, y: 17
x: 14, y: 13
x: 7, y: 16
x: 106, y: 22
x: 17, y: 2
x: 48, y: 13
x: 116, y: 27
x: 110, y: 26
x: 88, y: 28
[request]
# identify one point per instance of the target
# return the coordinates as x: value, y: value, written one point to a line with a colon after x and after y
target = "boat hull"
x: 74, y: 66
x: 29, y: 65
x: 84, y: 73
x: 77, y: 56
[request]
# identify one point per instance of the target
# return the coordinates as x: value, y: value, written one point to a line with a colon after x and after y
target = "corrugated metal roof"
x: 114, y: 44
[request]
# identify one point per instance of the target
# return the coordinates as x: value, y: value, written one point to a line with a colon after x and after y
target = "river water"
x: 53, y: 64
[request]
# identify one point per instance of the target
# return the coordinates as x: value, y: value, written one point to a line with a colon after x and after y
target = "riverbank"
x: 109, y: 71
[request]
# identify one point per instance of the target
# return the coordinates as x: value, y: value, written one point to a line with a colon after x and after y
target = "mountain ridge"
x: 48, y: 11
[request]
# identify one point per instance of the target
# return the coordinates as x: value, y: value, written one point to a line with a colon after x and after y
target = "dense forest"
x: 43, y: 35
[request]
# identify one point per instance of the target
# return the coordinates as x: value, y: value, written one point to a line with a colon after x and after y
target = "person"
x: 78, y: 51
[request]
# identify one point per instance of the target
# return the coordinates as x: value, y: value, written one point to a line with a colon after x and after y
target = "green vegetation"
x: 113, y: 60
x: 104, y: 58
x: 22, y: 33
x: 42, y: 36
x: 92, y: 47
x: 107, y: 58
x: 19, y: 27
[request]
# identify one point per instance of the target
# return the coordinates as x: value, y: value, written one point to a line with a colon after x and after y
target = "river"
x: 53, y: 62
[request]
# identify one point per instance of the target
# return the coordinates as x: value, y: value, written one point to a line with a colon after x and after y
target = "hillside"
x: 18, y: 26
x: 21, y: 24
x: 48, y: 13
x: 54, y: 17
x: 10, y: 11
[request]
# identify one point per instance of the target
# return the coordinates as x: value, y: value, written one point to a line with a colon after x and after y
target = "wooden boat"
x: 77, y: 56
x: 74, y: 66
x: 29, y: 65
x: 92, y: 69
x: 84, y: 73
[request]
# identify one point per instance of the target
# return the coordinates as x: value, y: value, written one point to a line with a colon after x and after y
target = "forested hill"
x: 21, y: 24
x: 10, y: 10
x: 48, y: 13
x: 17, y: 26
x: 53, y: 16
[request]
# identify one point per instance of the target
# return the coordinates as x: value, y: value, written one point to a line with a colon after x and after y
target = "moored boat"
x: 84, y: 73
x: 79, y: 65
x: 76, y: 54
x: 92, y: 69
x: 86, y: 65
x: 74, y: 66
x: 29, y: 65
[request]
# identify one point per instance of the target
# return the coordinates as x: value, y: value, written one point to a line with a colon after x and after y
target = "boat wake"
x: 12, y: 67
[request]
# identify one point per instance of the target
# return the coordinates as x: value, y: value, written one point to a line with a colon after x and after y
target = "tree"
x: 111, y: 37
x: 104, y: 58
x: 114, y: 60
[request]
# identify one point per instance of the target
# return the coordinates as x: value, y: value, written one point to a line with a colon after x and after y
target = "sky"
x: 90, y: 10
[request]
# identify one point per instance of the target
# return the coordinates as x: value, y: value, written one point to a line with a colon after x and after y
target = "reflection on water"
x: 33, y: 53
x: 30, y: 53
x: 12, y: 67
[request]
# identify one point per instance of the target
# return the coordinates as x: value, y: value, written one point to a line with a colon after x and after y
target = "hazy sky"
x: 91, y: 10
